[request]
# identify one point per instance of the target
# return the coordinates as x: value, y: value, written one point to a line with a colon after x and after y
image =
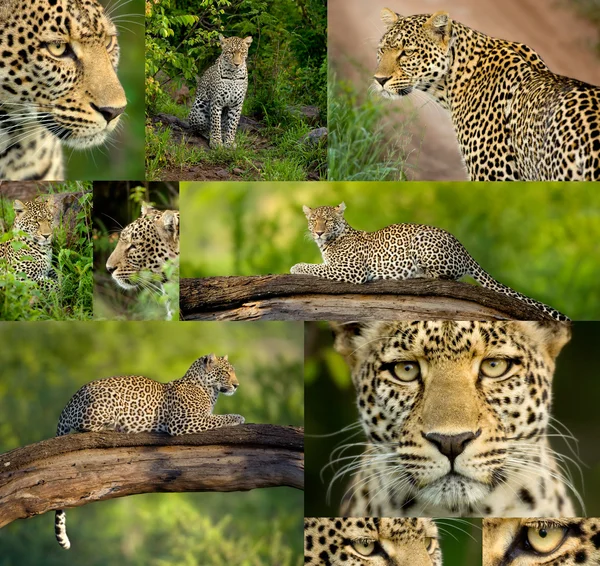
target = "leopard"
x: 134, y: 403
x: 220, y: 93
x: 398, y: 251
x: 144, y: 247
x: 537, y: 541
x: 29, y: 252
x: 513, y: 117
x: 371, y: 541
x: 58, y: 84
x: 455, y: 416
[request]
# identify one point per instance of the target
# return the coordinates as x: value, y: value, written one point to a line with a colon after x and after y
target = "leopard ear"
x: 345, y: 335
x: 209, y: 360
x: 221, y: 40
x: 248, y: 40
x: 307, y: 210
x: 388, y: 17
x: 440, y: 25
x: 226, y: 358
x: 557, y: 335
x: 18, y: 206
x: 170, y: 220
x: 147, y: 209
x: 341, y: 207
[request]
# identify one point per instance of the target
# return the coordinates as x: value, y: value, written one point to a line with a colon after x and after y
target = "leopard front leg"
x: 186, y: 424
x: 199, y: 118
x: 216, y: 139
x: 333, y: 272
x: 230, y: 127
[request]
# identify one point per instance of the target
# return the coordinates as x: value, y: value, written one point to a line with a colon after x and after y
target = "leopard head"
x: 325, y: 223
x: 215, y: 373
x: 35, y: 218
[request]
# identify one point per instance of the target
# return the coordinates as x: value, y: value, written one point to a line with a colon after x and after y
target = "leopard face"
x: 213, y: 372
x: 533, y: 542
x: 35, y: 218
x: 234, y: 52
x: 144, y: 247
x: 412, y: 54
x: 58, y: 69
x: 325, y: 223
x: 456, y: 409
x: 371, y: 542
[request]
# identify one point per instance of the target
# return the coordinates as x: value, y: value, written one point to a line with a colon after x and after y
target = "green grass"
x: 360, y: 148
x: 589, y: 9
x: 72, y: 259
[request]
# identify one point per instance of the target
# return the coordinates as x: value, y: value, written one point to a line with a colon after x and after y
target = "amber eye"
x: 429, y: 544
x: 364, y: 547
x: 405, y: 371
x: 111, y: 42
x: 546, y: 539
x: 56, y: 48
x: 495, y: 367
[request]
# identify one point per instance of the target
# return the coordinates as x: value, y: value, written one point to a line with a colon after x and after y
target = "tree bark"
x: 77, y: 469
x: 303, y: 297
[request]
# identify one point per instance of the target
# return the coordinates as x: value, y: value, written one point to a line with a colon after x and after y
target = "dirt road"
x: 563, y: 39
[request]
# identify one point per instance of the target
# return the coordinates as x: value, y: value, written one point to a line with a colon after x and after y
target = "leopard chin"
x: 456, y: 493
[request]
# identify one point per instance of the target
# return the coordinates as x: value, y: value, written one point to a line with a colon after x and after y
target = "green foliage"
x: 361, y: 148
x: 539, y: 238
x: 50, y: 362
x: 72, y: 253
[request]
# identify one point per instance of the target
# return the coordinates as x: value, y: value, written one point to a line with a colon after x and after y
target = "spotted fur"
x: 371, y: 542
x: 514, y: 118
x: 58, y: 83
x: 533, y: 542
x: 134, y: 403
x: 220, y: 94
x: 30, y: 251
x: 399, y: 251
x: 445, y: 435
x: 144, y: 247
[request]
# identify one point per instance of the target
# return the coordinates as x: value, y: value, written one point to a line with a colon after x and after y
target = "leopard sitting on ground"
x: 220, y: 94
x: 514, y: 118
x: 134, y: 403
x: 29, y: 252
x: 371, y: 542
x: 455, y: 416
x: 399, y: 251
x: 58, y: 83
x: 537, y: 542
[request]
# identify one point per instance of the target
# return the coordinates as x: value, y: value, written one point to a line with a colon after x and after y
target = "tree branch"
x: 77, y: 469
x: 303, y: 297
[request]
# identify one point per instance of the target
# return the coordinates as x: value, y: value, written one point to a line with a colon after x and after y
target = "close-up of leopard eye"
x: 364, y: 547
x: 495, y: 367
x: 545, y: 539
x: 405, y: 371
x: 57, y: 49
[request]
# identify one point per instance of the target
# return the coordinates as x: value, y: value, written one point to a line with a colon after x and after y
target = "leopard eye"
x: 429, y: 544
x: 495, y: 367
x: 405, y: 371
x: 111, y: 42
x: 364, y: 547
x: 57, y: 49
x: 546, y: 539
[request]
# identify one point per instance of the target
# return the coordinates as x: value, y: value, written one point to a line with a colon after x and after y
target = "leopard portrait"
x: 220, y: 93
x: 456, y: 417
x: 399, y: 251
x: 371, y: 541
x: 144, y: 246
x: 513, y: 117
x: 533, y: 542
x: 134, y: 403
x: 29, y: 251
x: 58, y: 83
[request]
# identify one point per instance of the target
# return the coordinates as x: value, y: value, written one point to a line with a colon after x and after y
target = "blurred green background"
x: 576, y: 392
x: 42, y: 367
x: 460, y: 541
x: 542, y: 239
x: 122, y: 157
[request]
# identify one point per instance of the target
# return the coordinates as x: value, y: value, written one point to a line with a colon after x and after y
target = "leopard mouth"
x: 71, y: 138
x: 455, y: 492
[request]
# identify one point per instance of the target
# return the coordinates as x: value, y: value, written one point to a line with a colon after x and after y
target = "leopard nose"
x: 109, y: 113
x: 319, y: 232
x: 110, y: 268
x: 382, y: 80
x: 451, y: 445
